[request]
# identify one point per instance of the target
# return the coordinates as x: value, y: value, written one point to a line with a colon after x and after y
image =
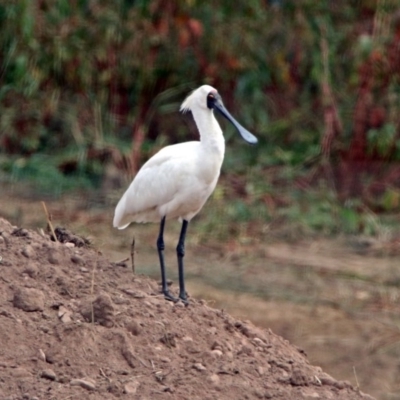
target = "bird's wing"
x: 156, y: 184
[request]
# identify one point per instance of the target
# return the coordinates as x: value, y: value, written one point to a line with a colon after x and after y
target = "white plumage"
x: 178, y: 180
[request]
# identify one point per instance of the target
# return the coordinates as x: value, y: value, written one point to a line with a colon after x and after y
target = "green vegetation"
x: 85, y: 85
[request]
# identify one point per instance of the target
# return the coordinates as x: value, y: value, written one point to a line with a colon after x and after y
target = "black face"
x: 211, y: 99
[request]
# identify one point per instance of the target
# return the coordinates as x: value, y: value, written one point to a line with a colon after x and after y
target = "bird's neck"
x: 210, y: 132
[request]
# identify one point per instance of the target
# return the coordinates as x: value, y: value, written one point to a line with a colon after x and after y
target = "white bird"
x: 178, y: 180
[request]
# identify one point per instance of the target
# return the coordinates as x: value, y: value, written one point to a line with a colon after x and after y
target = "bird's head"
x: 198, y: 99
x: 207, y: 98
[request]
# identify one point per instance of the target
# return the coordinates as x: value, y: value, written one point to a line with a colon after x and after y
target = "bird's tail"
x: 120, y: 217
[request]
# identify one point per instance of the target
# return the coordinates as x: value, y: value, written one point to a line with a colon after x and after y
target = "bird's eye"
x: 210, y: 101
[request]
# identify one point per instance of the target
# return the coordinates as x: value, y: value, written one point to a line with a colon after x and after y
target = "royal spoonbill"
x: 178, y: 180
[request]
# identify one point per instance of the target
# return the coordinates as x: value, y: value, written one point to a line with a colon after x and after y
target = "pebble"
x: 216, y: 353
x: 300, y: 378
x: 64, y: 315
x: 137, y: 294
x: 48, y: 374
x: 120, y: 300
x: 246, y: 350
x: 28, y: 251
x: 260, y: 370
x: 131, y: 387
x: 259, y: 342
x: 70, y: 245
x: 77, y: 259
x: 28, y: 299
x: 31, y: 270
x: 212, y: 330
x: 102, y: 310
x: 20, y: 372
x: 53, y: 258
x: 199, y: 367
x: 214, y: 379
x: 85, y: 383
x: 42, y: 355
x: 311, y: 396
x: 133, y: 327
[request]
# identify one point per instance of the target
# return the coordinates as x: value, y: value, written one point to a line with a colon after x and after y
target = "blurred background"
x: 302, y: 234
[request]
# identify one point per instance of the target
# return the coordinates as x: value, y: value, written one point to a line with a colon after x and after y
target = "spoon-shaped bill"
x: 246, y: 135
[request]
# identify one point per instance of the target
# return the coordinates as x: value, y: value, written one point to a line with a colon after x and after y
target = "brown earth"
x: 74, y: 325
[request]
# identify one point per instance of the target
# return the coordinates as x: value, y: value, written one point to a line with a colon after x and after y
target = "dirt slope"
x: 139, y: 346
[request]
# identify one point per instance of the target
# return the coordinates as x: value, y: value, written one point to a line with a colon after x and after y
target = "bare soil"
x: 74, y: 325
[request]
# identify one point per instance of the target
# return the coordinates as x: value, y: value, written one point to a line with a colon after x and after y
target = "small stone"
x: 214, y: 379
x: 31, y: 270
x: 131, y: 387
x: 85, y: 383
x: 246, y: 350
x: 133, y: 327
x: 53, y: 258
x: 258, y: 342
x: 260, y: 370
x: 77, y: 259
x: 28, y: 299
x: 165, y: 360
x: 212, y: 330
x: 64, y: 315
x: 137, y: 294
x: 48, y: 374
x: 70, y: 245
x: 120, y: 300
x: 199, y: 367
x: 311, y: 396
x: 217, y: 353
x: 28, y: 251
x: 83, y: 269
x: 169, y: 339
x: 343, y: 385
x: 20, y: 232
x: 20, y: 372
x: 42, y: 355
x: 102, y: 310
x: 216, y: 346
x: 187, y: 339
x: 299, y: 378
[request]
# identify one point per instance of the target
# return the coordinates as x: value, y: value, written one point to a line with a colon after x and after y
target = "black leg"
x: 161, y: 247
x: 180, y: 251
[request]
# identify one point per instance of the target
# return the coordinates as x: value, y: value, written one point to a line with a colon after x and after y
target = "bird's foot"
x: 168, y: 296
x: 183, y: 298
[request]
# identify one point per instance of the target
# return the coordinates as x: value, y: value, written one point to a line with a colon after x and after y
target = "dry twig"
x: 49, y: 221
x: 133, y: 255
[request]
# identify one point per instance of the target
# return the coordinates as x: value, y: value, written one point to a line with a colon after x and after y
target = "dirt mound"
x: 73, y: 325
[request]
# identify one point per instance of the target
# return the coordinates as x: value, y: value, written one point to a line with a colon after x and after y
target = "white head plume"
x: 197, y: 98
